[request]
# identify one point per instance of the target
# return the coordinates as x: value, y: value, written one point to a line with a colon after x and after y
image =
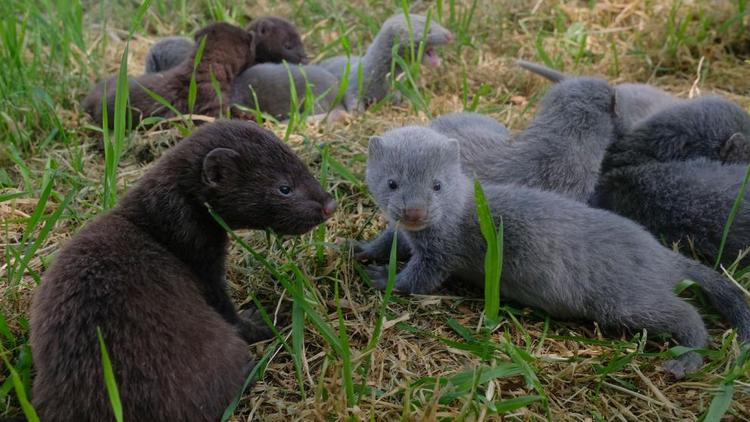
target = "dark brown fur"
x: 277, y: 40
x: 228, y: 51
x: 150, y: 274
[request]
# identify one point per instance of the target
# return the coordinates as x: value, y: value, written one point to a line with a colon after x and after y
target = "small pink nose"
x: 329, y: 208
x: 414, y: 215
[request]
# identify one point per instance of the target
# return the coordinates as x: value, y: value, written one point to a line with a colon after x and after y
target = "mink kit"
x: 151, y: 275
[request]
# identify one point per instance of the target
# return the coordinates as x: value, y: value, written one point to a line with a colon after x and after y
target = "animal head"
x: 580, y: 95
x: 436, y: 35
x: 226, y: 46
x: 254, y: 181
x: 415, y: 175
x: 278, y: 40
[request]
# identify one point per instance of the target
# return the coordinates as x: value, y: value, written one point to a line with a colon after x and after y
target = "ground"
x: 433, y: 359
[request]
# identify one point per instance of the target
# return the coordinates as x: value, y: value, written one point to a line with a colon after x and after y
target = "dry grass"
x: 626, y: 40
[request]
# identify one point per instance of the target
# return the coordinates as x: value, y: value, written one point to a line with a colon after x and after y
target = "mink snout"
x: 415, y: 215
x: 329, y: 207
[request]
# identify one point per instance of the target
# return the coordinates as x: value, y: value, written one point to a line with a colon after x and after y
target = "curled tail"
x: 543, y: 71
x: 725, y: 297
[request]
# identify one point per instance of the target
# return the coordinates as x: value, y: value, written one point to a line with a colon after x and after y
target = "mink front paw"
x: 379, y: 276
x: 683, y: 365
x: 363, y: 251
x: 252, y: 327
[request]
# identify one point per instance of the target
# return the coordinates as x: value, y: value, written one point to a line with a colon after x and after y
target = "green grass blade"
x: 193, y: 87
x: 493, y: 263
x: 217, y: 91
x: 159, y: 99
x: 259, y: 367
x: 344, y: 172
x: 298, y: 340
x: 386, y: 296
x: 43, y: 233
x: 12, y: 195
x: 732, y: 215
x: 723, y: 397
x: 26, y: 406
x: 109, y: 378
x: 346, y: 360
x: 506, y: 406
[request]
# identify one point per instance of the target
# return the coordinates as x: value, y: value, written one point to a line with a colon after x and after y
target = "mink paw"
x: 252, y: 328
x: 683, y: 365
x: 378, y: 275
x: 363, y: 251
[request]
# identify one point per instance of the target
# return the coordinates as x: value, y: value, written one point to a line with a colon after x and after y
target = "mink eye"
x: 392, y: 184
x: 436, y: 186
x: 285, y: 190
x: 288, y: 46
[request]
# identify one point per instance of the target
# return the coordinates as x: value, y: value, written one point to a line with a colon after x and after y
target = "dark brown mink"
x: 228, y: 50
x: 277, y: 40
x: 150, y: 274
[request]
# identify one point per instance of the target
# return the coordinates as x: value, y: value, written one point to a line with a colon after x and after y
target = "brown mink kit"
x: 150, y: 274
x: 228, y: 51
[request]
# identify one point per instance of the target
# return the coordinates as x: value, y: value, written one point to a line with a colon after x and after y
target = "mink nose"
x: 329, y: 208
x: 414, y: 215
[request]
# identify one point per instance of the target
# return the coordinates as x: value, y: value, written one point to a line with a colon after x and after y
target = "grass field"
x: 350, y: 351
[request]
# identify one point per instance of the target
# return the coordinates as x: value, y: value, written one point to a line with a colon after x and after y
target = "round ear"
x: 375, y: 148
x: 252, y: 39
x: 218, y: 164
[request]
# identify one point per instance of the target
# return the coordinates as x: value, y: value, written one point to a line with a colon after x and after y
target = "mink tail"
x: 543, y: 71
x: 725, y: 297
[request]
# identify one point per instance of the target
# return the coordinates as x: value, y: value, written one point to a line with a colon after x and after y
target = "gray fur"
x: 572, y: 261
x: 561, y: 150
x: 634, y: 101
x: 469, y: 124
x: 337, y: 64
x: 710, y: 127
x: 543, y: 71
x: 168, y: 53
x: 682, y: 201
x: 376, y: 63
x: 270, y: 81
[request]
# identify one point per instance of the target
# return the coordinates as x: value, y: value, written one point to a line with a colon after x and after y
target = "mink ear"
x: 453, y: 150
x: 375, y: 148
x: 218, y: 164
